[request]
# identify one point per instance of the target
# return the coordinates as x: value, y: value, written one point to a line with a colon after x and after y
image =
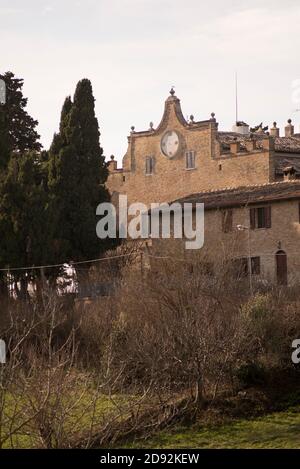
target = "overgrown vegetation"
x: 169, y: 346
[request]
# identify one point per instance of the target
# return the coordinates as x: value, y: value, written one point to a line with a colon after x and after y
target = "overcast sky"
x: 135, y: 50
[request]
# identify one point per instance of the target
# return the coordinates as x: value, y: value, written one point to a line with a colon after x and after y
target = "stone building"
x: 261, y: 223
x: 248, y: 179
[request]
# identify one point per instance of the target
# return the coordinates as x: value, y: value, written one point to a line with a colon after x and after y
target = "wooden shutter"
x: 227, y: 221
x: 252, y: 218
x: 188, y: 160
x: 192, y: 159
x: 149, y: 165
x: 268, y: 221
x: 223, y: 221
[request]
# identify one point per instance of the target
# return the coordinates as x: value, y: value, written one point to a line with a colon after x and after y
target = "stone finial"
x: 172, y: 91
x: 191, y: 118
x: 274, y: 131
x: 289, y: 129
x: 112, y: 164
x: 151, y: 125
x: 132, y: 128
x: 213, y: 115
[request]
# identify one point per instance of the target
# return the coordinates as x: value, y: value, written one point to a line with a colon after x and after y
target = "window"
x: 227, y: 221
x: 190, y: 160
x: 149, y: 165
x: 203, y: 268
x: 242, y: 266
x: 260, y: 217
x: 255, y: 265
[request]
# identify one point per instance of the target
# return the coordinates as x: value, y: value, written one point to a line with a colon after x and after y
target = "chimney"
x: 274, y: 131
x: 289, y: 129
x: 112, y: 164
x: 289, y: 173
x: 235, y: 147
x: 250, y: 144
x: 241, y: 127
x: 268, y: 143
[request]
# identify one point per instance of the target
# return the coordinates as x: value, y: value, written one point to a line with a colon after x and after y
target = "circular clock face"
x: 170, y: 143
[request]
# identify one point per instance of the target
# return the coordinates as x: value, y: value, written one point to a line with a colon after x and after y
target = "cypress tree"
x: 24, y: 217
x: 77, y: 174
x: 17, y: 128
x: 22, y: 196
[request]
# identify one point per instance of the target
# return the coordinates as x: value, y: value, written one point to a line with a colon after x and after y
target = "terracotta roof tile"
x: 246, y: 195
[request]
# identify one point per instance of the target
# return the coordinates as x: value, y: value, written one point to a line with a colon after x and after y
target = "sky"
x: 133, y: 51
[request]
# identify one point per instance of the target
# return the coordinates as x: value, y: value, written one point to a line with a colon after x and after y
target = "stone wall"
x: 284, y: 234
x: 170, y: 179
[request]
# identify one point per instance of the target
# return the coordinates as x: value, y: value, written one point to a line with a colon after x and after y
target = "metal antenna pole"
x: 236, y: 97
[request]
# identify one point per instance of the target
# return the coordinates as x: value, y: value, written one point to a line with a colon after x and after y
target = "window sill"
x: 190, y: 169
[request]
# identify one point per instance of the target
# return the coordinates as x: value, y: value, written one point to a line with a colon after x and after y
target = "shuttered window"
x: 260, y: 217
x: 242, y: 266
x: 190, y: 160
x: 149, y: 165
x: 227, y: 217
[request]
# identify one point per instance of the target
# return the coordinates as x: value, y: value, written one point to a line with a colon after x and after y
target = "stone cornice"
x: 174, y: 102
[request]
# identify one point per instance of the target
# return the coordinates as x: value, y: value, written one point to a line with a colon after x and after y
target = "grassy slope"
x: 278, y: 430
x: 78, y: 418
